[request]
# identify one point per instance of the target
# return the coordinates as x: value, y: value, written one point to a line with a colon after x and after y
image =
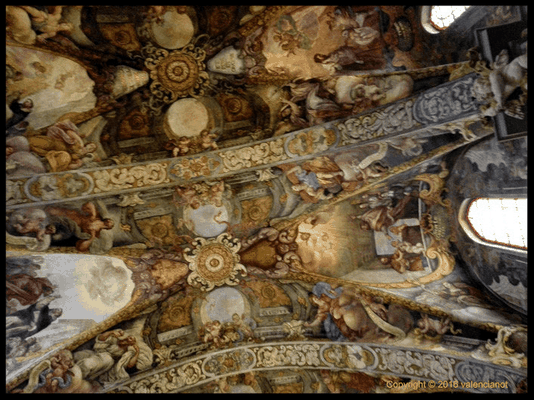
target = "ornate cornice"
x: 420, y: 365
x: 430, y: 110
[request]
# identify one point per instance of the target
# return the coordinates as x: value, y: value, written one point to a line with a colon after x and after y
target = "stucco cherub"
x: 496, y: 84
x: 23, y: 23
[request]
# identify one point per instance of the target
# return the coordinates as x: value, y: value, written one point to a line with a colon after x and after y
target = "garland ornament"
x: 214, y: 262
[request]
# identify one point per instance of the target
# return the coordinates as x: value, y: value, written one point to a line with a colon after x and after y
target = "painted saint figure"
x: 381, y: 217
x: 27, y: 289
x: 20, y: 111
x: 27, y: 322
x: 349, y: 57
x: 62, y: 146
x: 91, y: 220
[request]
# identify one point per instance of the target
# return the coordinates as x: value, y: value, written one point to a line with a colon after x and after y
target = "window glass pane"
x: 501, y: 221
x: 442, y: 16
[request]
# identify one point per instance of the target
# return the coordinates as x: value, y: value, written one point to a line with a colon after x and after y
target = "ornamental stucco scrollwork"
x: 440, y: 105
x: 469, y: 372
x: 130, y: 177
x: 195, y: 167
x: 363, y: 357
x: 173, y: 380
x: 306, y: 142
x: 54, y: 187
x: 393, y: 119
x: 436, y: 108
x: 234, y: 361
x: 446, y: 102
x: 295, y: 355
x: 175, y: 74
x: 214, y: 262
x: 435, y: 367
x: 252, y: 156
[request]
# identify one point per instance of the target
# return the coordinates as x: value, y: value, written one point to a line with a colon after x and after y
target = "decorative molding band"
x: 434, y: 108
x: 420, y: 365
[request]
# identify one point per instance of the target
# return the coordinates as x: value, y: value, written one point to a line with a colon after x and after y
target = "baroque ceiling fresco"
x: 262, y: 199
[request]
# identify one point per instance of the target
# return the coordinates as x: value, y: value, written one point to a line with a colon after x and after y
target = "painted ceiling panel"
x: 260, y: 199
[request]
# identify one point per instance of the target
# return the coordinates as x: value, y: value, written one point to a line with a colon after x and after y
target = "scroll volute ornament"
x: 214, y: 262
x: 176, y: 74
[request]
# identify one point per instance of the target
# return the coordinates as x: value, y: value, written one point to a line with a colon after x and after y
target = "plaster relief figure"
x: 362, y: 93
x: 32, y: 222
x: 24, y: 22
x: 224, y: 334
x: 496, y: 84
x: 507, y: 76
x: 19, y: 160
x: 435, y: 329
x: 357, y: 316
x: 58, y: 374
x: 315, y: 180
x: 113, y: 352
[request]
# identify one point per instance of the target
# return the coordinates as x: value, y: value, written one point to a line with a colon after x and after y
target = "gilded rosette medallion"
x: 214, y: 262
x: 176, y: 74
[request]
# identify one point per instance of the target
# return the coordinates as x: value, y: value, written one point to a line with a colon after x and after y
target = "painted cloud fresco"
x: 52, y: 298
x: 56, y: 85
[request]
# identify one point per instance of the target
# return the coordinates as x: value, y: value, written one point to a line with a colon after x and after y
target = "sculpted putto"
x: 497, y: 83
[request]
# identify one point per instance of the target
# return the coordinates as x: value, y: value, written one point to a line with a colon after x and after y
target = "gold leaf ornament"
x: 214, y: 262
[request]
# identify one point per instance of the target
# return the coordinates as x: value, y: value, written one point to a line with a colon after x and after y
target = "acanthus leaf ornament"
x: 369, y: 358
x: 175, y: 74
x: 214, y: 262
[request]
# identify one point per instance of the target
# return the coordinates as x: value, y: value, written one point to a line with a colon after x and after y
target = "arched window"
x: 438, y: 18
x: 496, y: 222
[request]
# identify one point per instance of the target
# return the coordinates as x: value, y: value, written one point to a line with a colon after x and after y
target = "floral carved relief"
x: 188, y: 168
x: 127, y: 178
x: 175, y: 74
x: 449, y: 101
x: 311, y: 141
x: 214, y: 262
x: 248, y: 157
x: 390, y: 120
x: 370, y: 358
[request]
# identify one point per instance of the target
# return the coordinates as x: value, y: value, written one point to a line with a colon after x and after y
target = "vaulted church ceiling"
x: 262, y: 199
